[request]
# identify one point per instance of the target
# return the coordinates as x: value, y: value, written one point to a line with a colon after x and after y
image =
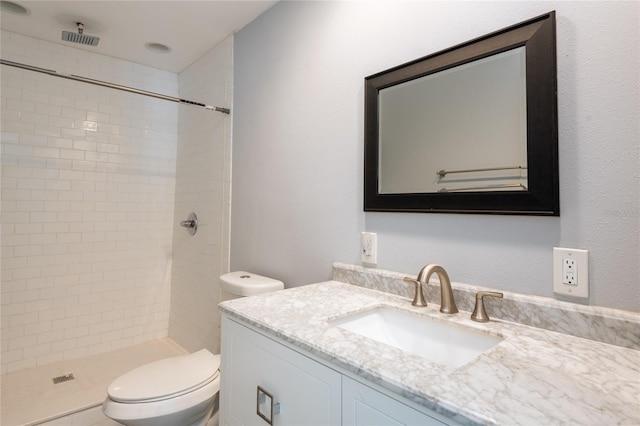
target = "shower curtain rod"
x: 114, y: 86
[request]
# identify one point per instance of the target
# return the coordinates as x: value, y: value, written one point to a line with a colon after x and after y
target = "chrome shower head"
x: 79, y: 37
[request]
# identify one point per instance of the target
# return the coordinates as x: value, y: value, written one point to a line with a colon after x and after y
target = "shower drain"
x: 63, y: 378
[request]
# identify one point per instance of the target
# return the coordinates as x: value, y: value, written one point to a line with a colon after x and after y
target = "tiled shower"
x: 94, y: 184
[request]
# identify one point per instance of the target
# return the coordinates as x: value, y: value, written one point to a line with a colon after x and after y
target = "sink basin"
x: 445, y: 344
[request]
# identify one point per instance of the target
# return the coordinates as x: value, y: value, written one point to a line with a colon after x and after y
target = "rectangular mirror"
x: 428, y: 146
x: 471, y: 129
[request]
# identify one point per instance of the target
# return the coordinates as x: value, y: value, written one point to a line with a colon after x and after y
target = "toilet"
x: 181, y: 390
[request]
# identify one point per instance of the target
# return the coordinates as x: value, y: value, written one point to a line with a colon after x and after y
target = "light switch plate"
x: 571, y: 272
x: 369, y: 248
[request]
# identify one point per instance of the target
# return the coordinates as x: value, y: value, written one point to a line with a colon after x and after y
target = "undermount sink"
x: 446, y: 344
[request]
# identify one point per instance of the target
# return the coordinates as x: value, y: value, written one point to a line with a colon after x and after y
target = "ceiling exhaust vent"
x: 79, y: 37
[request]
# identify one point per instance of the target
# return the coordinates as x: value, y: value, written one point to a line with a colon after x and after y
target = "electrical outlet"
x: 369, y: 248
x: 571, y: 272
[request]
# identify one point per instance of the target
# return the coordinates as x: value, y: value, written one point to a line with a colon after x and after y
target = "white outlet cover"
x: 581, y: 287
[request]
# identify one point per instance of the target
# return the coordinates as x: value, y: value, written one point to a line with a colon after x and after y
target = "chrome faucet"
x: 447, y: 303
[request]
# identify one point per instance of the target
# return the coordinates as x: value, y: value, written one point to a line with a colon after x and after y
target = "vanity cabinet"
x: 297, y: 390
x: 364, y: 406
x: 308, y: 393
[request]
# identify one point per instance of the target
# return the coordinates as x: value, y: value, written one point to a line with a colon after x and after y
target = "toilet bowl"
x: 181, y: 390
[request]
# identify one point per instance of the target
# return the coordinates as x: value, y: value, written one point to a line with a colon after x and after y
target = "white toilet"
x: 181, y: 390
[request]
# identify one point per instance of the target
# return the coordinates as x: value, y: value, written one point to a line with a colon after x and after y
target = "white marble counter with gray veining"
x: 533, y: 377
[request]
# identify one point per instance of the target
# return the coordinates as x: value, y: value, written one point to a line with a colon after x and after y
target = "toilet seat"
x: 166, y: 379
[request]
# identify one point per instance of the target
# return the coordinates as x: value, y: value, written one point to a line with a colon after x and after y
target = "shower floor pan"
x: 30, y: 396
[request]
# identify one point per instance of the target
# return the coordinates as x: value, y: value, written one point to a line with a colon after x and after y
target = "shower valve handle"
x: 191, y: 223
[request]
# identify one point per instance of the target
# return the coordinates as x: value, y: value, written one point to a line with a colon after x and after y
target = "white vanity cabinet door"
x: 307, y: 391
x: 364, y: 406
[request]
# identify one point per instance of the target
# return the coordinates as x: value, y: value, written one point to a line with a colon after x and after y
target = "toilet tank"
x: 242, y: 284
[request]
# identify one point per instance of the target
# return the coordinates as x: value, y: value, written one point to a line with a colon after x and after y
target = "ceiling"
x: 189, y: 28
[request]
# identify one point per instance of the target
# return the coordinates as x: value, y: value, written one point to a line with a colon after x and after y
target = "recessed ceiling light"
x: 158, y: 47
x: 11, y: 7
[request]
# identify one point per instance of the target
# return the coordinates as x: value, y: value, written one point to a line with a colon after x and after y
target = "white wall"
x: 202, y: 186
x: 88, y: 178
x: 298, y: 146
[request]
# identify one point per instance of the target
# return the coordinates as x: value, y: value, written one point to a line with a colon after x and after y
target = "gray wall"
x: 298, y: 146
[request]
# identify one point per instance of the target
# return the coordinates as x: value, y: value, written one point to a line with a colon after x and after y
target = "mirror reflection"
x: 424, y: 148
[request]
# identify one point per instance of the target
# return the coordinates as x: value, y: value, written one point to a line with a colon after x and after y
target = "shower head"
x: 79, y: 37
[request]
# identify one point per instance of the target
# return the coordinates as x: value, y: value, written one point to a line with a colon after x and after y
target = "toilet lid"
x: 166, y: 378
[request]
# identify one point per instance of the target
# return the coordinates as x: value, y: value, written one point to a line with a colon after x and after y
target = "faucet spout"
x: 447, y: 303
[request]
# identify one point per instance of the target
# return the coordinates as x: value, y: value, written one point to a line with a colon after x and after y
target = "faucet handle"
x: 418, y: 299
x: 479, y: 314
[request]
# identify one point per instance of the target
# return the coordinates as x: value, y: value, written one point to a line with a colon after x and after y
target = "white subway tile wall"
x: 202, y: 186
x: 88, y: 182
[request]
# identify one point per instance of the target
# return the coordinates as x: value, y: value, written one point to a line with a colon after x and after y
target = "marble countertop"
x: 532, y: 377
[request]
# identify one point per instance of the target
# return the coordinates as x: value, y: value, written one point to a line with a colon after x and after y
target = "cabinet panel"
x: 364, y: 406
x: 307, y: 391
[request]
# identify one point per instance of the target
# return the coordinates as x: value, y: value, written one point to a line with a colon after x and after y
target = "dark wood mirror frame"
x: 538, y: 35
